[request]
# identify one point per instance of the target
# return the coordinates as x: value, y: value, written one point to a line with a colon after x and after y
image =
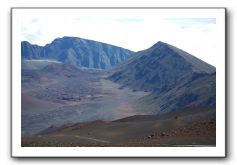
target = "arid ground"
x: 67, y: 107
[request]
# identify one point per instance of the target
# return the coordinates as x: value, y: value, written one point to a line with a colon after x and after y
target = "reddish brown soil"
x: 158, y: 133
x: 198, y: 133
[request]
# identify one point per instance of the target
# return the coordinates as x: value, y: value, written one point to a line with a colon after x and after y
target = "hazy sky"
x: 132, y: 29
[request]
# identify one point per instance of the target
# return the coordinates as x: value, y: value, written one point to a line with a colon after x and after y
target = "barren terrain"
x: 66, y: 106
x: 55, y: 100
x: 178, y: 130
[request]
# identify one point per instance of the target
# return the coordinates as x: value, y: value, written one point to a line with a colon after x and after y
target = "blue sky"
x: 132, y: 30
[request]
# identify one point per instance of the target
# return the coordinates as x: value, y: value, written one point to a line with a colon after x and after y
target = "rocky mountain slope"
x: 78, y: 52
x: 175, y: 78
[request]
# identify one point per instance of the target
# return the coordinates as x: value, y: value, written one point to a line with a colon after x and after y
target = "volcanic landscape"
x: 84, y: 93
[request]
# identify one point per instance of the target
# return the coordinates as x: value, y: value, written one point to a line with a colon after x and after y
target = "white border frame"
x: 218, y: 151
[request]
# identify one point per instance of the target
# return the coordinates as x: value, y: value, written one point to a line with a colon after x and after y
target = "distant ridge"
x: 78, y: 52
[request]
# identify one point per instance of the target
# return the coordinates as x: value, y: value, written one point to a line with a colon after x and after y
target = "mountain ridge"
x: 78, y: 52
x: 171, y: 75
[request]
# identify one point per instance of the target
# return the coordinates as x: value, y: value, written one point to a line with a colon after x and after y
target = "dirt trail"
x: 82, y: 137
